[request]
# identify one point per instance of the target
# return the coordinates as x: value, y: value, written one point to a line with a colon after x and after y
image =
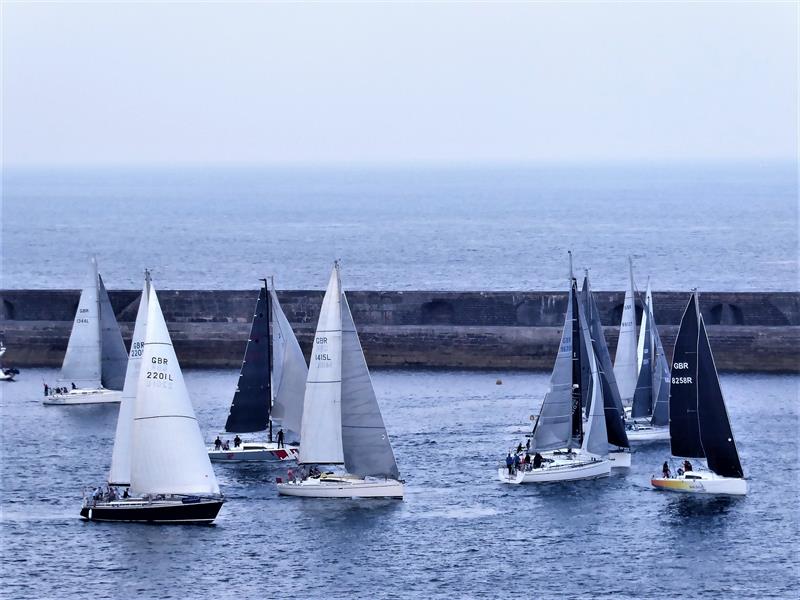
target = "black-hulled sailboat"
x: 270, y: 387
x: 159, y: 458
x: 698, y: 420
x: 649, y: 420
x: 619, y: 455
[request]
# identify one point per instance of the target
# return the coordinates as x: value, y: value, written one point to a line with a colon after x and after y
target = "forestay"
x: 168, y: 453
x: 289, y: 373
x: 321, y: 425
x: 113, y: 357
x: 82, y: 364
x: 251, y: 401
x: 120, y: 472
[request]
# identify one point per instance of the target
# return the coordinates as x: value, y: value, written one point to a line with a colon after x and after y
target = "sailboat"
x: 6, y: 373
x: 698, y: 420
x: 342, y: 430
x: 271, y: 386
x: 625, y: 363
x: 567, y: 449
x: 93, y: 371
x: 620, y: 454
x: 159, y: 457
x: 649, y: 420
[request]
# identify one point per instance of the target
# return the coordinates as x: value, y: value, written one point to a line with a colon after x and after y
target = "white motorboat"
x: 566, y: 448
x: 93, y: 371
x: 648, y: 420
x: 699, y: 425
x: 165, y: 483
x: 342, y: 423
x: 271, y: 386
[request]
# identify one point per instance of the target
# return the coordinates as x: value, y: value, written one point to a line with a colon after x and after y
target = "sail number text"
x: 80, y: 319
x: 679, y: 380
x: 321, y: 355
x: 137, y: 349
x: 158, y: 375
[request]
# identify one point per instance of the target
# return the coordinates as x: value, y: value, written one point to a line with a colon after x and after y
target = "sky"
x: 272, y: 83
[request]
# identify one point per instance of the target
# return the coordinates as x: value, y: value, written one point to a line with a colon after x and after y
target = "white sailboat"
x: 649, y: 416
x: 566, y: 448
x: 271, y: 387
x: 625, y: 363
x: 93, y: 371
x: 699, y: 424
x: 159, y: 456
x: 342, y: 430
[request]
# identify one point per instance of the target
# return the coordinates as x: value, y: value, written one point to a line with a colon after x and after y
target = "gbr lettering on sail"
x: 677, y: 378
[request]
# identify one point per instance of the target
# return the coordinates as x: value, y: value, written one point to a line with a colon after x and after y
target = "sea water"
x: 715, y: 227
x: 459, y: 533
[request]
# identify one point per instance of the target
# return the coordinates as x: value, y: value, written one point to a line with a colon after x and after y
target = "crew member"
x: 280, y: 438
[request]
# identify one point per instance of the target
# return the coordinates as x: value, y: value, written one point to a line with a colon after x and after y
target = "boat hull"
x: 265, y: 452
x: 620, y: 460
x: 702, y: 483
x: 140, y: 511
x: 645, y: 434
x: 342, y: 488
x: 566, y: 470
x: 75, y: 397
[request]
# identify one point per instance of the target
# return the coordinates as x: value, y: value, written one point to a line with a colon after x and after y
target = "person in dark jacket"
x: 280, y: 438
x: 537, y: 461
x: 517, y: 462
x: 237, y: 441
x: 687, y: 466
x: 217, y: 443
x: 665, y: 470
x: 510, y: 464
x: 46, y: 389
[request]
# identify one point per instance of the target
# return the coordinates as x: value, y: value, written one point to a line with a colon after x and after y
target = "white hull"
x: 100, y: 396
x: 6, y: 376
x: 561, y: 469
x: 647, y: 433
x: 620, y: 459
x: 345, y: 487
x: 254, y: 452
x: 701, y: 482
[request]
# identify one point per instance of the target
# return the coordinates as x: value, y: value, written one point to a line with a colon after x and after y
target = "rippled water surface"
x: 714, y: 227
x: 458, y: 534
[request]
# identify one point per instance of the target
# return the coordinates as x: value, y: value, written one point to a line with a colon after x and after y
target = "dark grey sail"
x: 615, y: 414
x: 661, y: 379
x: 684, y: 424
x: 113, y: 355
x: 251, y: 401
x: 553, y: 430
x: 715, y: 426
x: 642, y: 406
x: 365, y: 443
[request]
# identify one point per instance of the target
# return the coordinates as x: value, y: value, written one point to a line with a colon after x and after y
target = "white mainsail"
x: 120, y: 471
x: 82, y: 362
x: 321, y: 426
x: 168, y: 455
x: 625, y: 367
x: 289, y: 372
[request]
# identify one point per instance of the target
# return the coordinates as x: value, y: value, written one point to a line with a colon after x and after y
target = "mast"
x: 577, y: 412
x: 268, y: 347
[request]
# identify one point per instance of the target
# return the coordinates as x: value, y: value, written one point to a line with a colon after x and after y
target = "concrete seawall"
x: 749, y: 331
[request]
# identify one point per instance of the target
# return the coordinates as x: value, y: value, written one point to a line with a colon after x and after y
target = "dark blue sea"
x: 713, y: 226
x: 458, y: 534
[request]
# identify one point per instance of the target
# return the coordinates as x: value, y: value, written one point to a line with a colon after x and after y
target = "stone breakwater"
x: 474, y: 330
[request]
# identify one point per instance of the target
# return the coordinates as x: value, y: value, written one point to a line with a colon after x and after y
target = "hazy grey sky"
x: 310, y: 82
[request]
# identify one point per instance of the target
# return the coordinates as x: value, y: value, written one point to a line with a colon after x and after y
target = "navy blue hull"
x: 199, y: 512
